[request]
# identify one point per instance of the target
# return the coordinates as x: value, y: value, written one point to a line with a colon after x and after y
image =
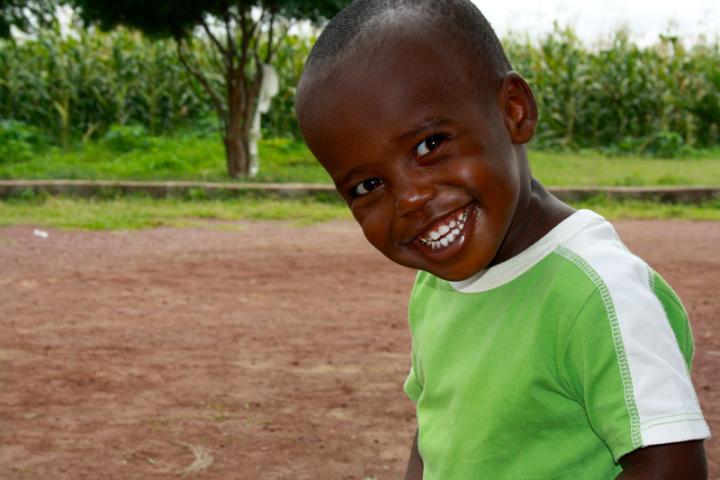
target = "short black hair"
x: 459, y: 19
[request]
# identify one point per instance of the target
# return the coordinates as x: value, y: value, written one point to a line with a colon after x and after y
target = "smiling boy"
x: 542, y: 348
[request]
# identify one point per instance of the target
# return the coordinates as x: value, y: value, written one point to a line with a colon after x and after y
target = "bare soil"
x: 265, y: 351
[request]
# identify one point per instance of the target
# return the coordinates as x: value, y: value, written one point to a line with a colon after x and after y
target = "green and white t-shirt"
x: 551, y: 365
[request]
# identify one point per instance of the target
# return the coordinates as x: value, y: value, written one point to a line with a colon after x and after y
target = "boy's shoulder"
x: 580, y: 263
x: 584, y: 242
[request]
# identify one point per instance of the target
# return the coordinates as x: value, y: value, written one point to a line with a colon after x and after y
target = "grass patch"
x: 589, y: 168
x: 637, y: 209
x: 130, y: 213
x: 182, y: 157
x: 201, y: 158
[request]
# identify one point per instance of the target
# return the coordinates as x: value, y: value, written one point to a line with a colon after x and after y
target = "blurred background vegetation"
x: 80, y: 103
x: 60, y: 90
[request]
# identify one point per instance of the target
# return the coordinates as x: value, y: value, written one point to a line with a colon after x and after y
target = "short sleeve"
x: 413, y: 387
x: 626, y: 368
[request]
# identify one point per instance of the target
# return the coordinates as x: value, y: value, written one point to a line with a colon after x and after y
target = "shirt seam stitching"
x: 651, y: 278
x: 674, y: 422
x: 676, y: 417
x: 625, y: 374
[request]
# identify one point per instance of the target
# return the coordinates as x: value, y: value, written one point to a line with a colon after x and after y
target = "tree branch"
x: 231, y: 53
x: 200, y: 77
x: 213, y: 38
x: 271, y: 29
x: 254, y: 35
x: 252, y: 90
x: 219, y: 60
x: 245, y: 38
x: 280, y: 39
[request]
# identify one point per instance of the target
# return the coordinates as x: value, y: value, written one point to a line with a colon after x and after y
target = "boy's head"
x: 412, y: 108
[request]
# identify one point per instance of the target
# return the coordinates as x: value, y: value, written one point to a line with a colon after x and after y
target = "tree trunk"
x: 236, y: 143
x: 242, y: 102
x: 236, y: 157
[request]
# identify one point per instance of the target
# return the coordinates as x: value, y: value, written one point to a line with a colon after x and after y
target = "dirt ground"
x: 266, y: 351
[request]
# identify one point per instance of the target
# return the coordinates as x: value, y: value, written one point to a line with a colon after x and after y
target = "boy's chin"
x: 465, y: 264
x: 455, y: 272
x: 454, y: 276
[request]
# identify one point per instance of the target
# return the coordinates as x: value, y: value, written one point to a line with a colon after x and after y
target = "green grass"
x: 636, y: 209
x: 129, y: 213
x: 191, y: 157
x: 588, y: 168
x: 182, y: 157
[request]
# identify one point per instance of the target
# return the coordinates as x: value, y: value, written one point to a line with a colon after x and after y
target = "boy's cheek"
x: 375, y: 226
x: 373, y: 230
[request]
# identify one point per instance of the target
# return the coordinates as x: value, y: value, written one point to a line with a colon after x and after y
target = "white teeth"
x: 445, y: 234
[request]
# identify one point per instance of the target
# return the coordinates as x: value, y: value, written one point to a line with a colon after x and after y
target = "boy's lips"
x: 445, y: 233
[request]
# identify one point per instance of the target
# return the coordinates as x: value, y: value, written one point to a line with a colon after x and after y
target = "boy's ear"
x: 519, y: 108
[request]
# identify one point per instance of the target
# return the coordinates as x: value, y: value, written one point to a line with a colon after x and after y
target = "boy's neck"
x: 536, y: 215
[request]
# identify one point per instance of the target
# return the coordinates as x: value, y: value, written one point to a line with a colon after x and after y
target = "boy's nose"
x: 411, y: 198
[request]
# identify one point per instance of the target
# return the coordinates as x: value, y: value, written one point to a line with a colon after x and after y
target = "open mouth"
x: 448, y: 231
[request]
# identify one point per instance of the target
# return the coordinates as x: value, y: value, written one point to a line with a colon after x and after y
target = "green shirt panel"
x: 675, y: 310
x: 522, y: 381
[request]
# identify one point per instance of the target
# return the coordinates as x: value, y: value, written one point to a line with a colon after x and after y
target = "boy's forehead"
x: 392, y: 74
x: 392, y: 48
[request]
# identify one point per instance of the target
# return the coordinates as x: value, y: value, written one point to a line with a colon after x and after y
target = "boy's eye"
x: 429, y: 144
x: 366, y: 186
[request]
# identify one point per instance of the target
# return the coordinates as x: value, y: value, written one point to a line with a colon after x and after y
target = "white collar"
x: 513, y: 267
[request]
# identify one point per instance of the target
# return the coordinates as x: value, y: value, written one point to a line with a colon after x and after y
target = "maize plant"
x: 78, y: 86
x: 619, y: 96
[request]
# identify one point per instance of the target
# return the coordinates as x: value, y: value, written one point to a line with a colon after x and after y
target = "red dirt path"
x: 270, y: 352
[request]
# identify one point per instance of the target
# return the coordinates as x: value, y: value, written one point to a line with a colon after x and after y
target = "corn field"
x: 654, y: 100
x: 657, y: 100
x: 76, y: 87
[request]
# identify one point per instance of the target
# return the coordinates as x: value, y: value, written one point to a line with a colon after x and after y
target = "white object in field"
x: 269, y: 87
x: 41, y: 233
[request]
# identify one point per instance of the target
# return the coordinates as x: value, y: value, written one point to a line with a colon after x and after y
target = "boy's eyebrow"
x: 427, y: 125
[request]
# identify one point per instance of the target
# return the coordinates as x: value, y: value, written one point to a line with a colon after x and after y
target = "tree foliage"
x: 177, y: 18
x: 243, y: 35
x: 25, y: 14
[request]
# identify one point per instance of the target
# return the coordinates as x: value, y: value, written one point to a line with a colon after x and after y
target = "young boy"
x: 542, y: 348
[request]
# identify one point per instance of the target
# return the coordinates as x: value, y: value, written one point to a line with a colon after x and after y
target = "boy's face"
x: 420, y: 152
